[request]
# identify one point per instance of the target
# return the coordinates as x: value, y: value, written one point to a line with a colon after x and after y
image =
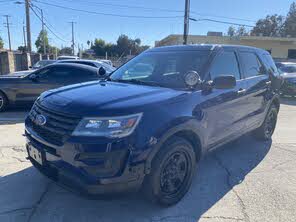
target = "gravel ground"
x: 243, y: 181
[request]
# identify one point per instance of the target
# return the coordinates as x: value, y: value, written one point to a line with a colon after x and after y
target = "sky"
x: 89, y: 26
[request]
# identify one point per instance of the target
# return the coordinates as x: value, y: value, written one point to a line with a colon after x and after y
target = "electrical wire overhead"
x: 47, y: 25
x: 108, y: 14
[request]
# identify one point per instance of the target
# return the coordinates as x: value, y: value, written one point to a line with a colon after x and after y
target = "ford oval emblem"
x: 40, y: 120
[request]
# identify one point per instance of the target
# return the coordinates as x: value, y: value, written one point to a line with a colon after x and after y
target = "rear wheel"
x: 3, y: 102
x: 266, y: 130
x: 172, y: 172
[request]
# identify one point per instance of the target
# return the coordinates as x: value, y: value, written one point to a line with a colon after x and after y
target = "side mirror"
x: 33, y: 77
x: 102, y: 71
x: 224, y: 82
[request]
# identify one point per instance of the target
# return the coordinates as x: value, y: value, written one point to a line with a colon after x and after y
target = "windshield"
x: 165, y: 69
x: 42, y: 63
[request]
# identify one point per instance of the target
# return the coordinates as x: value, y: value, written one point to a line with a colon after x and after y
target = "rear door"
x: 257, y: 86
x: 224, y: 109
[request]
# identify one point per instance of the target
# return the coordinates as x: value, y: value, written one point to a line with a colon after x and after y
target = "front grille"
x: 58, y: 126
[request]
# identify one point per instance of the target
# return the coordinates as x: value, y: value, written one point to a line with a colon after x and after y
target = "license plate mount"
x: 35, y: 154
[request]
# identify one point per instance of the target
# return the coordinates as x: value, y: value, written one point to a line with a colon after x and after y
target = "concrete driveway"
x: 243, y: 181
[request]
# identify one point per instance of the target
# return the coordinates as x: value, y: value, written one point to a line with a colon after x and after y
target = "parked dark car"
x: 286, y: 67
x: 42, y: 63
x: 151, y: 130
x: 24, y: 88
x: 289, y: 84
x: 92, y: 63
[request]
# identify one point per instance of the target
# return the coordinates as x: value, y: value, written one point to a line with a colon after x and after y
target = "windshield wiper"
x: 137, y: 81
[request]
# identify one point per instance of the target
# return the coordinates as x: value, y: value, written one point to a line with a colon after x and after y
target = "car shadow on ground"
x: 218, y: 173
x: 14, y: 115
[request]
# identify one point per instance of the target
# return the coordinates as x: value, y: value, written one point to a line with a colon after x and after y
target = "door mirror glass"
x: 224, y: 82
x: 192, y: 79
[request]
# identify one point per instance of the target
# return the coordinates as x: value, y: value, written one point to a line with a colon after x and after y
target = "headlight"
x: 112, y: 127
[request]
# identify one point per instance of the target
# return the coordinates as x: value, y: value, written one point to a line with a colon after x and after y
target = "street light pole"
x: 186, y: 21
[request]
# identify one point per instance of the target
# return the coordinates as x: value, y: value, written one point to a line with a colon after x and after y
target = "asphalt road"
x: 243, y: 181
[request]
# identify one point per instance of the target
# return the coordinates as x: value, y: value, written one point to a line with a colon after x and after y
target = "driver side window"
x: 225, y: 64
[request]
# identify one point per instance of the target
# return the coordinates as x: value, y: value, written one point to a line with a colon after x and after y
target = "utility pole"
x: 8, y: 30
x: 186, y: 21
x: 73, y: 40
x: 43, y: 31
x: 28, y: 25
x: 24, y: 34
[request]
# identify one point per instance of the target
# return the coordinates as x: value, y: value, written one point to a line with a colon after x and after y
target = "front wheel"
x: 172, y: 172
x: 266, y: 130
x: 3, y: 102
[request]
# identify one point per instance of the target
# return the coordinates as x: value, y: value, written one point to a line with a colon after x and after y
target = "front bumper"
x: 109, y: 172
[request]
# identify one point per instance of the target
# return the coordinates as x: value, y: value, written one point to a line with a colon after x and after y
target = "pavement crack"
x: 36, y: 205
x: 20, y: 160
x: 287, y: 150
x: 222, y: 217
x: 241, y: 202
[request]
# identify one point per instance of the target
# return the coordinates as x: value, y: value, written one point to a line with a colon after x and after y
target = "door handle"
x: 241, y: 91
x: 268, y: 83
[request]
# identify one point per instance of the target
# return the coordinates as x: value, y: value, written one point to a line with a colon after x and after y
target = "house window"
x: 292, y: 54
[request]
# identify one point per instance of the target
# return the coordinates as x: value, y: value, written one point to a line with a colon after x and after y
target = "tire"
x: 176, y: 157
x: 3, y: 102
x: 266, y: 130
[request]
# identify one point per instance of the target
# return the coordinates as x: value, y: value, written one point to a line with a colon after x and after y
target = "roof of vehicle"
x: 79, y: 60
x: 73, y: 65
x: 201, y: 47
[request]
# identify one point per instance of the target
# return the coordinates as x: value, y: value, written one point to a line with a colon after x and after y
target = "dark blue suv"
x: 153, y: 119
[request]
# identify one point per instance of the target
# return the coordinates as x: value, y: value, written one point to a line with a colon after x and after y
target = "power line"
x: 223, y: 22
x: 161, y: 9
x: 47, y: 26
x: 108, y: 14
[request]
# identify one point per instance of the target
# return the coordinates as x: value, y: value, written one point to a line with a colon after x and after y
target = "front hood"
x: 16, y: 75
x: 106, y: 98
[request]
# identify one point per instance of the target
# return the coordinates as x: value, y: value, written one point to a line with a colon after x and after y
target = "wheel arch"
x: 1, y: 91
x: 187, y: 133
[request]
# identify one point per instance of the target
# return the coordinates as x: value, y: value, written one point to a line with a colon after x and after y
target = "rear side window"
x: 270, y: 65
x: 225, y: 64
x: 251, y: 64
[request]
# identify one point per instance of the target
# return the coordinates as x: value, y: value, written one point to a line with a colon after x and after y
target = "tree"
x: 99, y: 47
x: 231, y: 31
x: 43, y: 36
x: 271, y: 25
x: 241, y: 31
x: 290, y: 23
x: 1, y: 43
x: 123, y: 45
x: 66, y: 51
x: 88, y: 43
x: 22, y: 48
